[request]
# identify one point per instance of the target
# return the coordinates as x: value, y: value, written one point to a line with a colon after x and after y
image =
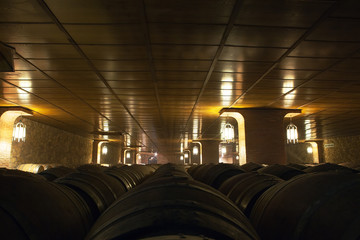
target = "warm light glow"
x: 104, y: 150
x: 127, y: 140
x: 181, y: 147
x: 226, y: 92
x: 127, y: 155
x: 227, y: 133
x: 195, y: 150
x: 223, y: 150
x: 155, y: 154
x: 309, y: 150
x: 106, y: 126
x: 186, y: 140
x: 19, y: 132
x: 291, y: 133
x: 181, y: 157
x: 195, y: 132
x: 186, y: 155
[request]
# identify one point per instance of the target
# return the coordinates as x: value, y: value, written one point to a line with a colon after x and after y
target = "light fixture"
x: 127, y: 155
x: 186, y: 155
x: 19, y: 132
x: 186, y: 140
x: 195, y: 150
x: 223, y: 150
x: 181, y: 157
x: 104, y: 150
x: 228, y: 132
x: 155, y: 154
x: 291, y: 133
x: 181, y: 147
x: 309, y: 150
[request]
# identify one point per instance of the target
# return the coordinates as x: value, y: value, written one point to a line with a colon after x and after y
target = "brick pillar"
x: 264, y: 133
x: 210, y: 151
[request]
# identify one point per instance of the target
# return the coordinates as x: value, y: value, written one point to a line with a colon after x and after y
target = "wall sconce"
x: 291, y: 133
x: 228, y: 132
x: 223, y: 150
x: 19, y: 132
x: 195, y: 150
x: 104, y: 150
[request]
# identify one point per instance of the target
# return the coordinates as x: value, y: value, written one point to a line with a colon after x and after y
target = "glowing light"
x: 186, y: 155
x: 181, y: 158
x: 128, y: 155
x: 291, y: 133
x: 227, y: 133
x: 226, y: 92
x: 181, y: 147
x: 195, y: 131
x: 19, y: 132
x: 106, y: 126
x: 127, y: 140
x: 186, y: 140
x: 309, y: 150
x: 195, y: 150
x: 104, y: 150
x: 223, y: 150
x: 155, y: 154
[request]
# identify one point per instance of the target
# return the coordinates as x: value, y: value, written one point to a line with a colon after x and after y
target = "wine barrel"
x: 311, y: 206
x: 31, y: 167
x: 246, y: 192
x: 53, y: 173
x: 297, y: 166
x: 281, y: 171
x: 251, y: 166
x: 200, y: 172
x: 215, y: 175
x: 91, y: 168
x: 329, y: 167
x: 173, y: 207
x: 230, y: 183
x: 98, y: 191
x: 33, y: 208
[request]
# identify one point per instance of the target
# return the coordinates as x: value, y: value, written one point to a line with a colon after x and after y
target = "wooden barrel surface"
x: 53, y: 173
x: 326, y: 167
x: 96, y: 190
x: 251, y: 166
x: 34, y: 208
x: 246, y: 192
x: 281, y: 171
x: 173, y: 207
x: 323, y: 206
x: 31, y: 167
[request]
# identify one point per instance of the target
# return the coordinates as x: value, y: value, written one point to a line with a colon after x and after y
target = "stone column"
x: 264, y: 133
x: 210, y: 151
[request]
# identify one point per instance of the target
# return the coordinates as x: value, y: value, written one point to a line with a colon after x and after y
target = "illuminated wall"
x: 343, y: 149
x: 46, y: 144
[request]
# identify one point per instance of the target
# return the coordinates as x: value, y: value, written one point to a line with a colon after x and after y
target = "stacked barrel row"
x: 293, y: 201
x: 171, y: 205
x: 60, y: 202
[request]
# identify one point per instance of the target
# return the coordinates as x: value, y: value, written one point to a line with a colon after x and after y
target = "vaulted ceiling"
x: 155, y: 69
